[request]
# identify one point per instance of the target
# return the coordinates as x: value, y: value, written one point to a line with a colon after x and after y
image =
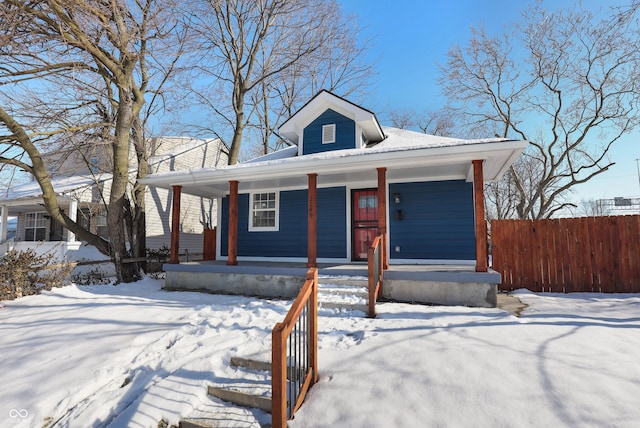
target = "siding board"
x: 345, y: 133
x: 291, y: 238
x: 437, y: 221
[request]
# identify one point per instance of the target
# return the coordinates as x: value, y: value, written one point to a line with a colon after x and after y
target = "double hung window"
x: 264, y: 212
x: 35, y: 226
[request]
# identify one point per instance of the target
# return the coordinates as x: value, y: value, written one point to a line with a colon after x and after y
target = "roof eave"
x: 419, y: 156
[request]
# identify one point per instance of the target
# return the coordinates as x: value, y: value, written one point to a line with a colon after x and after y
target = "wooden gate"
x: 589, y: 254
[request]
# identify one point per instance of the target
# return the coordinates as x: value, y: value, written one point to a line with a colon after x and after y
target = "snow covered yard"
x: 131, y: 355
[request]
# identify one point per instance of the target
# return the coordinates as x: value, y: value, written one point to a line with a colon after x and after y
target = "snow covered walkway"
x: 131, y: 355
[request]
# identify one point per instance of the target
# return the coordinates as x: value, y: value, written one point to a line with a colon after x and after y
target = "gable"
x: 365, y: 120
x: 317, y: 135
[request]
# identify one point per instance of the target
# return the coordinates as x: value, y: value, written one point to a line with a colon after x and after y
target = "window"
x: 101, y: 219
x: 368, y: 201
x: 328, y: 133
x: 35, y: 226
x: 264, y: 212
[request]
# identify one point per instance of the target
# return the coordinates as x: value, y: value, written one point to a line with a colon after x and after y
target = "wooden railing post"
x: 278, y: 377
x: 313, y: 327
x: 175, y: 226
x: 375, y: 263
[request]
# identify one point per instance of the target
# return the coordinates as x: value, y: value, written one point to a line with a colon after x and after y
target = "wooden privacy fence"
x: 589, y: 254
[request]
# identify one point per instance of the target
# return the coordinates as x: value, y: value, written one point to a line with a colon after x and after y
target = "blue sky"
x: 411, y: 37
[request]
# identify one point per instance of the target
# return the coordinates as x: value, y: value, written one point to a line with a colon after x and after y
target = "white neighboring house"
x: 78, y: 178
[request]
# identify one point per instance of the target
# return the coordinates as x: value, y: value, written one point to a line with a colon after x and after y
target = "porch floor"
x: 406, y: 272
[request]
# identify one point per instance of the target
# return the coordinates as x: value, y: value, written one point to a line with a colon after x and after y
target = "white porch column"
x: 73, y: 213
x: 4, y: 220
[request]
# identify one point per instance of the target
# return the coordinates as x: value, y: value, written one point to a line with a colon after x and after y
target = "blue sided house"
x: 343, y: 181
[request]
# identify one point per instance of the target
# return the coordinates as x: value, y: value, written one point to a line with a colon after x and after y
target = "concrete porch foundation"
x: 436, y: 284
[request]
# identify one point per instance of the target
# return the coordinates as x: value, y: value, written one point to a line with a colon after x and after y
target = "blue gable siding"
x: 291, y: 238
x: 345, y: 133
x: 437, y: 222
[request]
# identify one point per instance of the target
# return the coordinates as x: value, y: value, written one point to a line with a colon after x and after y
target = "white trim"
x: 285, y: 259
x: 431, y: 262
x: 274, y: 228
x: 219, y: 227
x: 300, y: 141
x: 388, y: 240
x: 349, y: 222
x: 73, y: 213
x: 331, y: 127
x: 4, y: 219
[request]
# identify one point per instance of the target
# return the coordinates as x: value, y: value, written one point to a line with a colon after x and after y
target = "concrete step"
x: 357, y: 281
x: 247, y: 397
x: 261, y: 361
x: 244, y: 393
x: 342, y: 297
x: 218, y: 414
x: 343, y: 289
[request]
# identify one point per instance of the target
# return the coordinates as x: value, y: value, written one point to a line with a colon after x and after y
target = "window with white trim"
x: 264, y: 209
x: 35, y: 226
x: 329, y: 133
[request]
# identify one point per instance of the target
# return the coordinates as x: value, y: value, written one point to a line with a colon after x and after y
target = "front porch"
x: 457, y: 284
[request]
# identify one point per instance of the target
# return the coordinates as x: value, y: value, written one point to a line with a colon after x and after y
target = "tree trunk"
x: 125, y: 272
x: 139, y: 227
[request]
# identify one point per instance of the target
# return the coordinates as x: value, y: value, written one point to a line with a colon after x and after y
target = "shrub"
x: 23, y: 273
x: 156, y: 258
x: 92, y: 276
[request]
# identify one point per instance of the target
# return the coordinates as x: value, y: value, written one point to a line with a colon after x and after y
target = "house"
x: 352, y: 179
x: 82, y: 179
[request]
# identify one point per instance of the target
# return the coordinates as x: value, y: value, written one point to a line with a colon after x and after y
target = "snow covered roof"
x: 61, y: 185
x: 407, y: 155
x: 396, y: 137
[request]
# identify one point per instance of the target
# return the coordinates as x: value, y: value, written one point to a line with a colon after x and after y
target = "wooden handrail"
x: 307, y: 299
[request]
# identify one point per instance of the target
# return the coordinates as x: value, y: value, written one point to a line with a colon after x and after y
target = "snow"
x: 396, y: 141
x: 132, y: 354
x: 61, y: 185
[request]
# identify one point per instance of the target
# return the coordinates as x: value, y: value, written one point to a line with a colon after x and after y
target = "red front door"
x: 365, y: 221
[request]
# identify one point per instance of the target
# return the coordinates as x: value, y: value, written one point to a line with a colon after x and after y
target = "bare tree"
x: 262, y: 58
x: 594, y: 208
x: 563, y: 80
x: 82, y: 71
x: 439, y: 122
x: 402, y: 118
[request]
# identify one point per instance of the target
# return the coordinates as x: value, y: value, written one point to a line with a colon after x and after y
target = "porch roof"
x: 28, y: 196
x: 407, y: 156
